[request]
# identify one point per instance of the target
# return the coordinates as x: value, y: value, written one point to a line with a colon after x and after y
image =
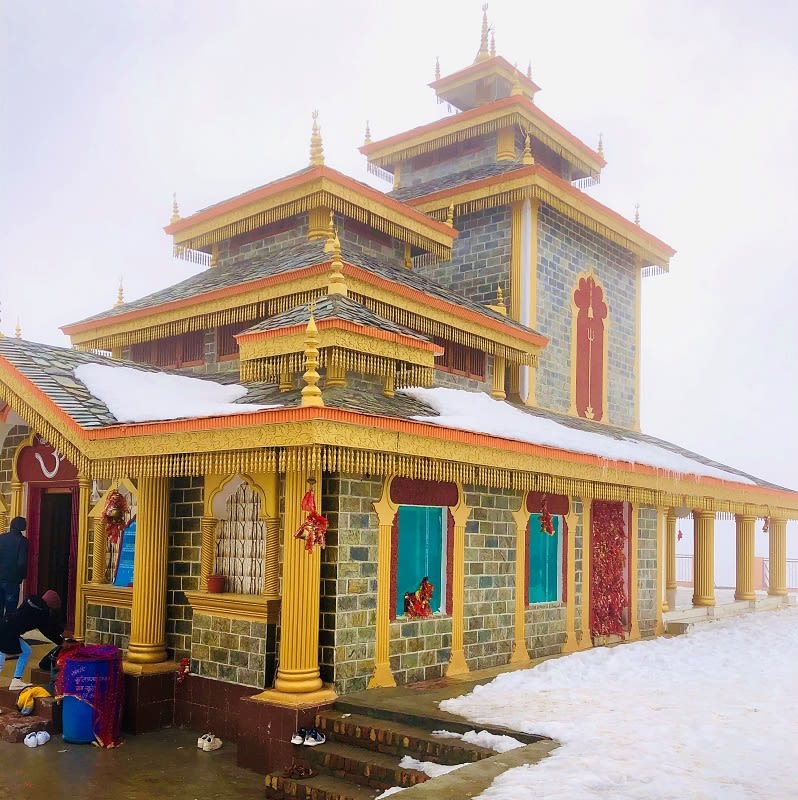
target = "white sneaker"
x: 18, y: 684
x: 42, y: 737
x: 213, y: 744
x: 30, y: 740
x: 206, y: 737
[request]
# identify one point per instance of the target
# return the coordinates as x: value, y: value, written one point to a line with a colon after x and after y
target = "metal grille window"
x: 461, y: 360
x: 240, y: 539
x: 226, y: 345
x: 187, y: 350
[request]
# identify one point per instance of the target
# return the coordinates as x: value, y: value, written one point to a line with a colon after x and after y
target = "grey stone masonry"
x: 347, y: 630
x: 230, y: 650
x: 264, y: 242
x: 566, y: 249
x: 419, y: 649
x: 8, y: 448
x: 454, y: 159
x: 185, y: 541
x: 480, y: 257
x: 647, y: 570
x: 359, y: 240
x: 108, y: 625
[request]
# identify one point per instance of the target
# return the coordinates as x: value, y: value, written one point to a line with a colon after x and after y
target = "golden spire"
x: 637, y: 213
x: 516, y: 88
x: 331, y: 234
x: 311, y: 394
x: 527, y: 157
x: 437, y: 68
x: 600, y: 148
x: 450, y: 216
x: 529, y: 70
x: 316, y: 147
x: 18, y: 330
x: 483, y: 53
x: 337, y: 284
x: 120, y: 295
x: 367, y: 137
x: 175, y: 211
x: 492, y: 44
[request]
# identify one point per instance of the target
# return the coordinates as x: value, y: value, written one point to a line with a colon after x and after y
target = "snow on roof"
x: 480, y: 413
x: 134, y: 395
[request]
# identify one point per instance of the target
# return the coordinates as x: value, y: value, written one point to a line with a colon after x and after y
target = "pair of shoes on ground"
x: 300, y: 771
x: 209, y: 742
x: 36, y: 738
x: 18, y: 684
x: 308, y: 736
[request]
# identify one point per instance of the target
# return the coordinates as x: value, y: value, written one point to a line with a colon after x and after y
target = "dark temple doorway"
x: 55, y: 536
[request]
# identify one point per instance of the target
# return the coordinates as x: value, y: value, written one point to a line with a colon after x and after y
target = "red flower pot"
x: 215, y: 583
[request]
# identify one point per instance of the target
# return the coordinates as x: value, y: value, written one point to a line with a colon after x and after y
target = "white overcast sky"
x: 106, y: 108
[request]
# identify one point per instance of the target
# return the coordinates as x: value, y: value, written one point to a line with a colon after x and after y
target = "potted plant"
x: 216, y: 583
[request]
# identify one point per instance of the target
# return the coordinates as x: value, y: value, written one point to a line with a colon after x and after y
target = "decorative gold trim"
x: 457, y: 661
x: 108, y: 595
x: 252, y: 607
x: 520, y: 654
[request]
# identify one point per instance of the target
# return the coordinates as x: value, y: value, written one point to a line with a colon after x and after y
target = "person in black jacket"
x: 13, y: 565
x: 35, y: 613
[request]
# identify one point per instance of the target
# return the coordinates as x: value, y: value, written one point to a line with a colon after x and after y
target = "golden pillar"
x: 3, y: 519
x: 386, y: 513
x: 271, y: 551
x: 777, y: 557
x: 570, y: 643
x: 634, y: 621
x: 744, y: 528
x: 298, y: 680
x: 84, y: 494
x: 670, y: 558
x: 98, y: 551
x: 207, y: 550
x: 499, y: 366
x: 661, y: 603
x: 585, y: 639
x: 457, y: 662
x: 704, y: 559
x: 16, y: 499
x: 148, y: 616
x: 520, y: 654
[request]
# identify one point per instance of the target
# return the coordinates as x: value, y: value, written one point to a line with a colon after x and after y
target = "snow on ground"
x: 480, y: 413
x: 134, y: 395
x: 710, y: 715
x: 490, y: 741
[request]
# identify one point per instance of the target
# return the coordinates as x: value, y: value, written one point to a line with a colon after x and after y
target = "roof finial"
x: 316, y: 147
x: 516, y: 88
x: 337, y: 284
x: 331, y: 234
x: 527, y: 157
x: 437, y: 68
x: 637, y: 213
x: 483, y: 42
x: 450, y: 216
x: 120, y: 295
x: 499, y: 295
x: 367, y: 137
x: 600, y: 148
x: 175, y: 211
x: 311, y: 394
x: 529, y: 70
x: 18, y: 330
x: 492, y: 43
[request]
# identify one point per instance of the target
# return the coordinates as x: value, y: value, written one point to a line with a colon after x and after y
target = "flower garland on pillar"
x: 607, y: 569
x: 114, y: 515
x: 314, y: 529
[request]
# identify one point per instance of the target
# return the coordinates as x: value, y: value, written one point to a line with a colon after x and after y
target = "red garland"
x: 114, y: 516
x: 314, y: 528
x: 417, y: 603
x: 184, y: 670
x: 608, y: 561
x: 766, y: 525
x: 546, y: 525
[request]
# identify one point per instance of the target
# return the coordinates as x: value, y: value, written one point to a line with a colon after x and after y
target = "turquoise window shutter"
x: 544, y: 561
x: 419, y: 553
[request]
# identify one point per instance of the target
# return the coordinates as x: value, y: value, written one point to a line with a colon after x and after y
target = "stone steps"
x: 361, y: 756
x: 14, y: 726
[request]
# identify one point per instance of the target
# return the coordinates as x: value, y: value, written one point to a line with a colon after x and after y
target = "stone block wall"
x: 227, y: 649
x: 480, y: 257
x: 357, y: 241
x: 489, y: 580
x: 566, y: 249
x: 544, y: 629
x: 419, y: 649
x: 263, y: 243
x: 647, y: 570
x: 185, y: 540
x: 108, y: 625
x: 8, y: 448
x: 475, y: 153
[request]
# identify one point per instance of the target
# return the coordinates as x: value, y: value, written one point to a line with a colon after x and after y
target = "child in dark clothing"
x: 34, y: 613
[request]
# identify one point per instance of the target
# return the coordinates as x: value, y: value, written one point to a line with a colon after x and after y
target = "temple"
x: 423, y: 454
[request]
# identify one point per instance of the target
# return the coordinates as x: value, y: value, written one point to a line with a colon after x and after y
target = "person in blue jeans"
x: 13, y: 565
x: 36, y: 613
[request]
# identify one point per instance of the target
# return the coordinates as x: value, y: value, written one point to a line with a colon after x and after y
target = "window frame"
x: 533, y: 530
